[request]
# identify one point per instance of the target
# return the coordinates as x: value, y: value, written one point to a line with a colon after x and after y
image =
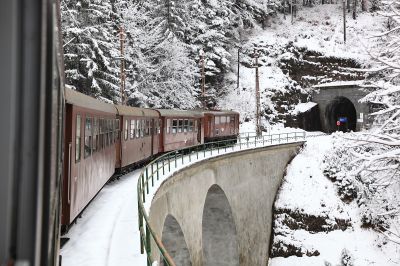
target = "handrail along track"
x: 162, y: 165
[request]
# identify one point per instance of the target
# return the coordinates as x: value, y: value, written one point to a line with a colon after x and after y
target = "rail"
x: 172, y: 161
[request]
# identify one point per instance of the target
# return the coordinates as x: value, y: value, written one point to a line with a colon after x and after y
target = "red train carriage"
x: 89, y: 151
x: 140, y: 135
x: 220, y: 125
x: 181, y: 129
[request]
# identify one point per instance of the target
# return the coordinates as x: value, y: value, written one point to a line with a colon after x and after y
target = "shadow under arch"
x: 220, y: 246
x: 340, y: 108
x: 174, y: 242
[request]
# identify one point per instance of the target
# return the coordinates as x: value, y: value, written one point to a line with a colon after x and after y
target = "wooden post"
x: 258, y: 129
x: 238, y: 71
x: 122, y: 64
x: 344, y: 21
x: 203, y: 79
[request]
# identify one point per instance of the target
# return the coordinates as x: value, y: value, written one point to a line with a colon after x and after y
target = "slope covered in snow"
x: 313, y: 226
x: 295, y: 56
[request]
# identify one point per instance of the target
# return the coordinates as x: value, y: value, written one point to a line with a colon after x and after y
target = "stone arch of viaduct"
x: 221, y: 208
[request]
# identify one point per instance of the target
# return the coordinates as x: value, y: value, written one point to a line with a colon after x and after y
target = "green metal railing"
x: 170, y: 162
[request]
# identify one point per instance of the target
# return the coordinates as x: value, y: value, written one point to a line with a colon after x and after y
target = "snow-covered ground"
x: 306, y: 190
x: 107, y: 233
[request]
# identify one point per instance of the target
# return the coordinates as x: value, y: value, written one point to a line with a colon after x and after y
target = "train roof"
x: 135, y: 111
x: 79, y: 99
x: 180, y: 113
x: 221, y: 112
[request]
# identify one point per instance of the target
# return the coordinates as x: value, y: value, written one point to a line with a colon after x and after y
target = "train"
x: 60, y: 147
x: 102, y: 140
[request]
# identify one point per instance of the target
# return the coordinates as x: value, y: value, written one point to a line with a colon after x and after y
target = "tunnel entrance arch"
x: 174, y: 241
x: 340, y: 115
x: 220, y: 246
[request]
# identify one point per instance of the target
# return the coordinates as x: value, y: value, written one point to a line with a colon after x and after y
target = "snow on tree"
x: 90, y: 44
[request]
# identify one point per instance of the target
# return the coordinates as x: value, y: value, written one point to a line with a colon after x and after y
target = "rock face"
x: 286, y: 221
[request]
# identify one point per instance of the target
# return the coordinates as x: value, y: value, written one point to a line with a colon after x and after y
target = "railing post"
x: 147, y: 181
x: 158, y: 169
x: 271, y: 138
x: 163, y: 167
x: 169, y: 164
x: 197, y: 152
x: 152, y: 175
x: 148, y: 243
x: 287, y: 137
x: 279, y: 138
x: 143, y: 194
x: 190, y: 157
x: 176, y: 164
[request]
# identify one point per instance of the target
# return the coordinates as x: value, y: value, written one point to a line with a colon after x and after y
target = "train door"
x: 152, y: 133
x: 199, y: 131
x: 118, y: 137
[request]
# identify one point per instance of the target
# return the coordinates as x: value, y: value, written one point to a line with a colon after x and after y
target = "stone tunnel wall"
x: 324, y: 96
x: 249, y: 179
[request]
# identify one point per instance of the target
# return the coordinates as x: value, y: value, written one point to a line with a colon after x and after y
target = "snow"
x: 307, y: 190
x: 107, y: 233
x: 303, y: 107
x: 340, y: 83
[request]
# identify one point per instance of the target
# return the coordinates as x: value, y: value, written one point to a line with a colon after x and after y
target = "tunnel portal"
x: 340, y: 115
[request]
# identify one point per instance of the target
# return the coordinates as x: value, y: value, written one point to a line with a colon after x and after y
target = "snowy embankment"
x: 107, y: 233
x: 313, y: 226
x: 317, y: 29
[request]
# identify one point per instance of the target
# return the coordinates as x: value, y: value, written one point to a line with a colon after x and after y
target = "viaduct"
x: 219, y: 211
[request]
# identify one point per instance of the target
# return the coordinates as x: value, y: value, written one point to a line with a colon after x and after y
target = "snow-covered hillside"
x: 318, y: 30
x: 313, y: 226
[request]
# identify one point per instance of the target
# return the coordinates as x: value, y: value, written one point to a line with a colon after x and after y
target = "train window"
x: 126, y: 130
x: 159, y: 126
x: 116, y: 135
x: 107, y: 132
x: 217, y: 131
x: 147, y: 127
x: 217, y: 120
x: 100, y: 144
x: 137, y: 129
x: 133, y: 125
x: 174, y: 126
x: 168, y: 126
x: 95, y: 133
x: 88, y: 137
x: 110, y: 132
x: 180, y: 125
x: 223, y: 119
x: 142, y: 128
x: 195, y: 125
x: 185, y: 125
x: 232, y: 119
x: 78, y: 139
x: 190, y: 125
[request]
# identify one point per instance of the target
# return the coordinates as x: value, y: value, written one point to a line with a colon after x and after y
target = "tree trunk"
x: 364, y: 5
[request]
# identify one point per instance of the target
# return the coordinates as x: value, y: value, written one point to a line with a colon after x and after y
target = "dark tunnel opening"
x: 341, y: 115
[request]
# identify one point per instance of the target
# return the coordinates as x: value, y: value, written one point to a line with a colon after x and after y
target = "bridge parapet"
x: 284, y: 145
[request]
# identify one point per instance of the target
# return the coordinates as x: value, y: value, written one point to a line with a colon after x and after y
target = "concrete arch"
x: 174, y: 241
x: 341, y: 107
x: 220, y: 245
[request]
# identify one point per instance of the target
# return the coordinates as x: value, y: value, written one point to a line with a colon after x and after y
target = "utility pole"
x: 344, y: 21
x: 203, y: 78
x: 122, y: 64
x: 238, y: 71
x: 258, y: 128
